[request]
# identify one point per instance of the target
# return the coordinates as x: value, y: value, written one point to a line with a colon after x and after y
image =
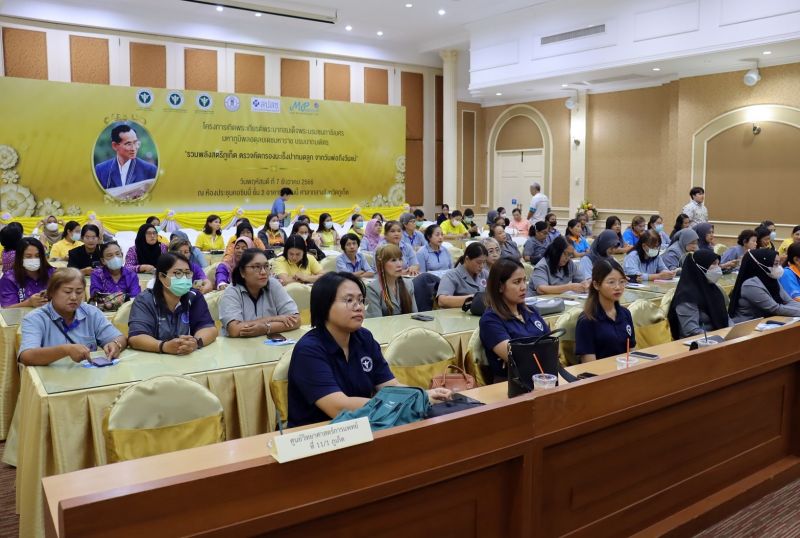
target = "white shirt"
x: 539, y: 206
x: 123, y: 171
x: 697, y: 213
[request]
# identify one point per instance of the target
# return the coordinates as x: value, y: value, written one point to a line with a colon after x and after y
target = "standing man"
x: 279, y: 205
x: 125, y: 168
x: 696, y: 210
x: 540, y: 204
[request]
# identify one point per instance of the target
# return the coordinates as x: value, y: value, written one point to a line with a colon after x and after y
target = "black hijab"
x: 693, y: 287
x: 146, y: 254
x: 606, y: 240
x: 756, y: 263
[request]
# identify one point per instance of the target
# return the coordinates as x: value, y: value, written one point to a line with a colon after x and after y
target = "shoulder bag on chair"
x: 392, y: 406
x: 522, y: 365
x: 456, y: 382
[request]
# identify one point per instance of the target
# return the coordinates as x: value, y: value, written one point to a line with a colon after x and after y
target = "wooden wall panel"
x: 414, y: 185
x: 376, y: 86
x: 337, y: 82
x: 148, y: 65
x: 200, y: 69
x: 25, y: 53
x: 295, y: 78
x: 411, y: 97
x: 519, y: 133
x: 88, y: 59
x: 468, y: 126
x: 439, y: 130
x: 249, y: 73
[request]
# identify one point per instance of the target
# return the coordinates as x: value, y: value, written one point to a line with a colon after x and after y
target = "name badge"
x: 313, y: 441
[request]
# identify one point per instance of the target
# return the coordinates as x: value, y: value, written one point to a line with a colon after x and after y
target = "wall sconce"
x: 578, y: 142
x: 756, y: 129
x: 752, y: 77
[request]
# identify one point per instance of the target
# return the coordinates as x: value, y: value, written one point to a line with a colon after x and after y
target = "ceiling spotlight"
x: 767, y: 52
x: 219, y: 8
x: 752, y: 77
x: 380, y: 33
x: 348, y: 28
x: 409, y: 5
x: 656, y: 69
x: 498, y: 94
x: 571, y: 103
x: 257, y: 14
x: 441, y: 12
x: 565, y: 85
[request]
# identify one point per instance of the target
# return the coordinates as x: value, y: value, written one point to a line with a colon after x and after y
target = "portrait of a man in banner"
x: 125, y: 161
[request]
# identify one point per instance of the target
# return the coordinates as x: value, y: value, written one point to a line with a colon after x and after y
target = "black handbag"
x: 522, y: 365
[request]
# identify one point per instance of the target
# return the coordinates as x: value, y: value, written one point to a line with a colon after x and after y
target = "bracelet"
x: 161, y: 346
x: 269, y: 328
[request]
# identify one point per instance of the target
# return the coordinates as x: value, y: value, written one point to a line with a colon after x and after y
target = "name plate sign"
x: 313, y: 441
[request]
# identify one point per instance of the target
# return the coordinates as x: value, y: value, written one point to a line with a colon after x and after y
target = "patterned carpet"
x: 9, y: 521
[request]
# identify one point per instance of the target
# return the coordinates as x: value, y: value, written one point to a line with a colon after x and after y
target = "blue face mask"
x: 115, y: 263
x: 76, y: 236
x: 659, y: 228
x: 180, y: 286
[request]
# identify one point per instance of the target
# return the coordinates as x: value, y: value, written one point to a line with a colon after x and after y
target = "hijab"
x: 196, y: 256
x: 606, y: 240
x: 750, y: 268
x: 372, y: 234
x: 694, y: 288
x: 52, y: 237
x: 680, y: 241
x: 702, y: 230
x: 231, y: 262
x: 146, y: 254
x: 491, y: 216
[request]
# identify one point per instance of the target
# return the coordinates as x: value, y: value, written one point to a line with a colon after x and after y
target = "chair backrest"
x: 652, y: 327
x: 329, y: 262
x: 416, y: 355
x: 159, y: 415
x: 211, y: 271
x: 720, y: 248
x: 528, y: 269
x: 191, y: 233
x: 301, y: 295
x: 455, y: 253
x: 120, y: 319
x: 279, y: 386
x: 666, y: 300
x: 125, y: 240
x: 425, y: 287
x: 475, y: 359
x: 212, y: 299
x: 568, y: 321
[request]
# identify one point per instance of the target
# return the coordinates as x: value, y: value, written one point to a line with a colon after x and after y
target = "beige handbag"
x: 456, y: 382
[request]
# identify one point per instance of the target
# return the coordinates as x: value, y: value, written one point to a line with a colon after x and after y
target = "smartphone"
x: 99, y: 359
x: 422, y: 317
x: 633, y: 279
x: 276, y: 338
x: 643, y: 355
x: 586, y: 375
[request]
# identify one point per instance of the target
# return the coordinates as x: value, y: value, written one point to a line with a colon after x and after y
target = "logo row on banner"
x: 204, y: 101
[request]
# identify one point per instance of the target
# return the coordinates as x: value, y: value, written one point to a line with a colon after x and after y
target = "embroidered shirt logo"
x: 366, y: 364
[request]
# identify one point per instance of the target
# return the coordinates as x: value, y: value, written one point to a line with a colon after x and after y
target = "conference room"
x: 522, y: 268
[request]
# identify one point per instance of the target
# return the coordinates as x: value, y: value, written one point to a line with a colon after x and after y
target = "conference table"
x: 666, y: 446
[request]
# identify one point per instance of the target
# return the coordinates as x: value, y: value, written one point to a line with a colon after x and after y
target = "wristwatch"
x: 199, y: 342
x: 269, y: 327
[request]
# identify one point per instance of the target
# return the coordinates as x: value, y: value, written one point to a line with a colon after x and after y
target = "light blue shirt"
x: 409, y: 256
x: 416, y: 241
x: 633, y: 265
x: 585, y: 267
x: 278, y: 206
x: 43, y: 328
x: 431, y: 260
x: 344, y: 264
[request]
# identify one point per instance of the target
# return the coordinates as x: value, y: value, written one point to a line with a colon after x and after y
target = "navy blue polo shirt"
x: 319, y: 368
x: 495, y: 329
x: 604, y: 337
x: 190, y: 315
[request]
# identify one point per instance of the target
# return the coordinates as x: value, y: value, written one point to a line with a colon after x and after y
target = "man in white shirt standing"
x: 540, y: 204
x: 696, y: 209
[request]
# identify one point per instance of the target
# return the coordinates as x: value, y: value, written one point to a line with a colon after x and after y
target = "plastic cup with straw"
x: 543, y: 380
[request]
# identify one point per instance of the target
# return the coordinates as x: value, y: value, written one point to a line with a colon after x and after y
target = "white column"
x: 577, y: 154
x: 449, y: 125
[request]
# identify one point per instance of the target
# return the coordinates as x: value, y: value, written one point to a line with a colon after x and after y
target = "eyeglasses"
x: 354, y: 302
x: 179, y: 274
x: 258, y: 268
x: 616, y: 283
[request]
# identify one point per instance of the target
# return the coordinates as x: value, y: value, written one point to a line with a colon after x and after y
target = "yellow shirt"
x: 328, y: 238
x: 209, y: 242
x: 785, y: 246
x: 61, y: 249
x: 281, y: 266
x: 449, y: 229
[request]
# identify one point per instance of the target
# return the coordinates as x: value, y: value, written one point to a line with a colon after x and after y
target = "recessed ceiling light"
x: 380, y: 33
x: 409, y: 5
x: 257, y: 14
x: 656, y: 69
x: 498, y: 94
x: 219, y: 8
x: 441, y: 12
x: 767, y: 52
x: 348, y: 28
x: 565, y: 85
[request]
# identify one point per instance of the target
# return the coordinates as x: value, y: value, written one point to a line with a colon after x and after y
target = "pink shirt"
x: 521, y: 226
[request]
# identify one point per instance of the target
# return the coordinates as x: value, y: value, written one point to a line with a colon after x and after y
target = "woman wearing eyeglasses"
x: 172, y: 317
x: 337, y: 365
x: 256, y: 304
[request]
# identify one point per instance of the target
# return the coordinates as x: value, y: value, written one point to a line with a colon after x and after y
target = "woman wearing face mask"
x: 773, y: 233
x: 351, y: 260
x: 615, y: 225
x: 747, y: 240
x: 465, y: 280
x: 211, y: 236
x: 156, y: 222
x: 790, y: 280
x: 682, y: 242
x: 518, y: 223
x: 757, y: 292
x: 243, y: 229
x: 575, y: 238
x: 26, y: 285
x: 390, y: 294
x: 635, y: 230
x: 143, y: 255
x: 789, y: 241
x: 681, y: 223
x: 555, y: 273
x: 48, y: 232
x: 86, y: 257
x: 506, y: 316
x: 433, y: 257
x: 328, y: 237
x: 699, y: 304
x: 552, y: 222
x: 295, y: 265
x: 199, y: 280
x: 470, y: 224
x: 313, y: 247
x: 643, y: 263
x: 508, y: 248
x: 537, y: 243
x: 411, y: 236
x: 357, y: 225
x: 764, y: 238
x: 70, y: 238
x: 392, y: 232
x: 601, y: 249
x: 113, y: 276
x: 222, y: 276
x: 172, y: 317
x: 454, y: 228
x: 656, y: 223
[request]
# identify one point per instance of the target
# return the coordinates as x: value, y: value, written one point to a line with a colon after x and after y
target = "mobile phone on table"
x: 276, y: 338
x: 643, y: 355
x: 422, y: 317
x: 586, y: 375
x: 99, y: 359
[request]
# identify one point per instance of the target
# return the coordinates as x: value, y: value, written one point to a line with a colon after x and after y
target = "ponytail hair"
x: 473, y: 250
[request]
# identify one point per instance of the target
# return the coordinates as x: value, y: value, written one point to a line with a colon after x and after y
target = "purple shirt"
x: 102, y: 282
x: 197, y: 272
x: 8, y: 260
x: 132, y: 259
x: 11, y: 293
x: 223, y: 275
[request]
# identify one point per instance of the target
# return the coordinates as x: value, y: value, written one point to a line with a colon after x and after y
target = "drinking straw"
x: 627, y: 351
x: 539, y: 364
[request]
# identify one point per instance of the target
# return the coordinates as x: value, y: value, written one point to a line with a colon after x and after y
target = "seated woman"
x: 506, y: 316
x: 790, y: 280
x: 656, y: 223
x: 389, y: 294
x: 392, y: 232
x: 351, y: 260
x: 682, y: 222
x: 552, y: 222
x: 47, y: 231
x: 9, y: 239
x: 698, y: 305
x: 602, y: 248
x: 518, y: 223
x: 683, y: 242
x: 295, y: 265
x: 605, y: 328
x: 644, y: 262
x: 328, y: 237
x: 222, y: 276
x: 614, y: 224
x: 196, y: 255
x: 764, y: 238
x: 411, y: 236
x: 211, y: 236
x: 773, y: 234
x: 86, y: 258
x: 491, y: 217
x: 492, y: 251
x: 555, y: 273
x: 583, y: 219
x: 337, y: 366
x: 789, y: 241
x: 575, y: 238
x: 156, y: 222
x: 357, y: 225
x: 303, y: 230
x: 243, y: 229
x: 634, y: 231
x: 26, y: 285
x: 143, y: 256
x: 271, y: 235
x: 466, y: 279
x: 453, y: 228
x: 434, y: 257
x: 508, y: 248
x: 172, y: 317
x: 536, y: 244
x: 66, y: 326
x: 705, y: 236
x: 444, y: 215
x: 200, y: 281
x: 113, y: 276
x: 757, y: 292
x: 470, y: 224
x: 256, y: 304
x: 746, y: 241
x: 372, y: 236
x: 70, y: 238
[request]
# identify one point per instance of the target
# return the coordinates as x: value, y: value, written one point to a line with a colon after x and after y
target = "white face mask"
x: 652, y: 252
x: 328, y: 225
x: 304, y: 236
x: 52, y: 226
x: 713, y: 274
x: 274, y: 225
x: 31, y: 264
x: 76, y: 236
x: 115, y: 263
x: 773, y: 236
x: 454, y: 222
x: 776, y: 271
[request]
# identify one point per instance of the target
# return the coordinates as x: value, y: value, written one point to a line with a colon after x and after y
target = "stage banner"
x: 73, y: 149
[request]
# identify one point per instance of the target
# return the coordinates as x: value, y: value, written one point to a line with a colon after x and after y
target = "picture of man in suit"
x: 125, y: 168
